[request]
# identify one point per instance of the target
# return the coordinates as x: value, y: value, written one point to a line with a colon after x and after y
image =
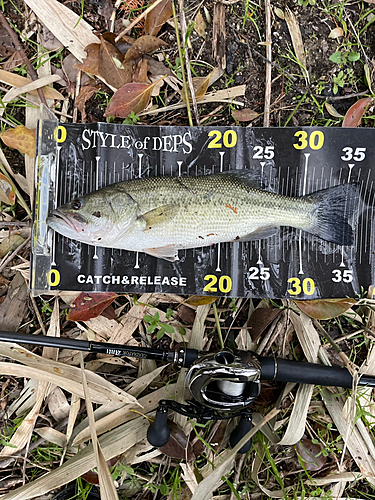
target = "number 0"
x: 316, y: 140
x: 60, y: 134
x: 53, y: 277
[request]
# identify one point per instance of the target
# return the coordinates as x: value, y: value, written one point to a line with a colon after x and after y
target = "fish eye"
x: 76, y: 204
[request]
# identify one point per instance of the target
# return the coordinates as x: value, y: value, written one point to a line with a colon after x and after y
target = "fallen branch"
x: 23, y: 55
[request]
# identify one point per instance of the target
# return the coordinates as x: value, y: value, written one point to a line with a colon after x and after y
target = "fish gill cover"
x: 279, y: 212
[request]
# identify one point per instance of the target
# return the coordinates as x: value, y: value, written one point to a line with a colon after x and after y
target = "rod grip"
x: 285, y: 370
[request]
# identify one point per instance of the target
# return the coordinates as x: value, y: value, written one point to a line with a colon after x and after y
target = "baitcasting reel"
x: 223, y: 386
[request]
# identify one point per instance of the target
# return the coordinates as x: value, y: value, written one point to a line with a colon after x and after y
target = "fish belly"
x: 206, y: 217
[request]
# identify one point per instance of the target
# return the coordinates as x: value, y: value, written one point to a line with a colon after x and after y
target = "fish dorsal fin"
x: 168, y: 252
x: 159, y: 215
x: 252, y: 178
x: 260, y: 234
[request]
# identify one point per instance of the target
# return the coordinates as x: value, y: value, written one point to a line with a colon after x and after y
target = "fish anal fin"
x: 260, y: 233
x: 159, y: 215
x: 169, y: 252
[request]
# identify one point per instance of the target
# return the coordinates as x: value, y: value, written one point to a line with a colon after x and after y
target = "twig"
x: 267, y: 98
x: 187, y: 61
x: 76, y: 94
x: 273, y: 64
x: 136, y: 21
x: 14, y: 223
x: 21, y: 201
x: 36, y: 310
x: 334, y: 346
x: 113, y: 16
x: 13, y: 254
x: 23, y: 55
x: 7, y: 122
x: 236, y: 480
x: 218, y: 325
x: 340, y: 97
x: 182, y: 65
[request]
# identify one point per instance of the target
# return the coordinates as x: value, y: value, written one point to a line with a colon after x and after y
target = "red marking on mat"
x: 227, y: 205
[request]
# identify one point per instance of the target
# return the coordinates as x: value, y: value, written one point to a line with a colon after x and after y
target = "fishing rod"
x: 223, y: 385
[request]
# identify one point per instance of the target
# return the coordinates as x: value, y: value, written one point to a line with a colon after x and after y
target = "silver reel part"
x: 224, y: 381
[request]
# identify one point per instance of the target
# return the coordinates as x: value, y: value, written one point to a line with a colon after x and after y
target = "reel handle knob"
x: 158, y: 433
x: 240, y: 431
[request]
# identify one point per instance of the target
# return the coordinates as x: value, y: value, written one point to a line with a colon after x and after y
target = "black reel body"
x: 223, y: 386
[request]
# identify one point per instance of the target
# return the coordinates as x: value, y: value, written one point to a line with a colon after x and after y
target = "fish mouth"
x: 73, y: 221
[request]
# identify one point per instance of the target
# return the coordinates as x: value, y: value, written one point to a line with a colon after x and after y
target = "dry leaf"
x: 70, y: 71
x: 178, y: 445
x: 105, y: 60
x: 67, y: 26
x: 157, y: 17
x: 6, y: 43
x: 310, y: 454
x: 260, y: 320
x: 244, y: 115
x: 14, y: 61
x: 332, y: 111
x: 325, y: 308
x: 85, y: 93
x: 355, y: 113
x: 279, y: 13
x: 141, y: 71
x: 200, y: 300
x: 200, y: 86
x: 132, y: 97
x: 296, y: 36
x: 20, y: 81
x: 107, y: 486
x: 10, y: 244
x: 52, y: 435
x: 90, y: 64
x: 143, y: 45
x: 90, y: 305
x: 20, y: 138
x: 111, y: 65
x: 336, y: 33
x: 200, y: 25
x: 7, y: 190
x: 65, y: 376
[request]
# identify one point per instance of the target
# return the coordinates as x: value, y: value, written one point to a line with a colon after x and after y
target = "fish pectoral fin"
x: 260, y: 233
x: 168, y: 252
x: 159, y: 216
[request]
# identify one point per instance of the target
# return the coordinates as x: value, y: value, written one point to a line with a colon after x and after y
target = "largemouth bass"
x: 161, y: 215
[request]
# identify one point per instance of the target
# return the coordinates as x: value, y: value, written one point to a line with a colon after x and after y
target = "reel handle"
x: 240, y: 431
x: 158, y: 433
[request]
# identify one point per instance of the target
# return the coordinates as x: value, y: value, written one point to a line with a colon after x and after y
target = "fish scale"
x: 160, y: 215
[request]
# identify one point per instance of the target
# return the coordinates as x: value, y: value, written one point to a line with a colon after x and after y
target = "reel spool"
x: 222, y: 385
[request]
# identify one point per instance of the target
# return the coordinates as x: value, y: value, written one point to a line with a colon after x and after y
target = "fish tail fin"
x: 333, y: 211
